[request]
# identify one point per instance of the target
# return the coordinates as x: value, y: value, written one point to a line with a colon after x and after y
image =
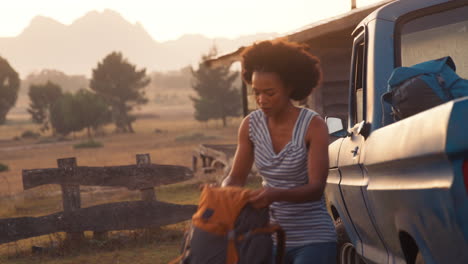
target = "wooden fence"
x: 74, y: 220
x: 213, y: 157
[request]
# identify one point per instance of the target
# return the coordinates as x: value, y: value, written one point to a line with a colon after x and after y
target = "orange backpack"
x: 227, y: 230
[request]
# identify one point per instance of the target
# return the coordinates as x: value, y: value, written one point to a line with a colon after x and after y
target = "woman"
x: 289, y: 146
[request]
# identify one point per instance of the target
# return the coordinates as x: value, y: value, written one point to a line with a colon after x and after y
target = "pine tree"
x: 217, y: 97
x: 122, y: 86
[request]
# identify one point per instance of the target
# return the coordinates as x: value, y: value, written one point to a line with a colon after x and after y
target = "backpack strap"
x: 280, y: 240
x: 232, y: 256
x: 270, y: 229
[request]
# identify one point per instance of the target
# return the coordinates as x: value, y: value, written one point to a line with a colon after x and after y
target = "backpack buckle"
x: 231, y: 235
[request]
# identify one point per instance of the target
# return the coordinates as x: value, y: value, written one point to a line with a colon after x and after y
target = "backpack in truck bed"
x: 422, y: 86
x: 226, y: 229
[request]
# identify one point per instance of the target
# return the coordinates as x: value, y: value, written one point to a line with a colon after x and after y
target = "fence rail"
x: 74, y: 220
x: 99, y: 218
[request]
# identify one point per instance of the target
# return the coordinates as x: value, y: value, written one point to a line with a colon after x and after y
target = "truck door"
x: 353, y: 183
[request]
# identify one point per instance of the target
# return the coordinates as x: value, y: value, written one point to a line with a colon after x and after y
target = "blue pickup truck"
x: 398, y: 191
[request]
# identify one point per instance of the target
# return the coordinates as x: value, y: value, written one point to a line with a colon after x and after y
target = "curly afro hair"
x: 293, y: 63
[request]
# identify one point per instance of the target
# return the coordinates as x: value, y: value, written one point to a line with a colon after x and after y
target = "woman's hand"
x: 263, y: 197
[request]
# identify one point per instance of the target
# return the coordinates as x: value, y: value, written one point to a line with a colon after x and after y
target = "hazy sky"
x: 169, y: 19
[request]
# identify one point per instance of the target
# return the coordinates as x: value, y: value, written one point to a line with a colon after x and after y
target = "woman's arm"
x: 317, y: 161
x: 243, y: 159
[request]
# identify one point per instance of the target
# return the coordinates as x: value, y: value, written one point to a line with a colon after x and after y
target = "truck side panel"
x: 410, y: 186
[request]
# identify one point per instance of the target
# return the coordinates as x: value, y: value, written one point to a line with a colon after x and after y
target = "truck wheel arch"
x: 408, y: 246
x: 412, y: 243
x: 334, y: 213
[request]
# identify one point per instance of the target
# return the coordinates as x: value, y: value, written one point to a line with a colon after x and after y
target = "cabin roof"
x: 334, y: 25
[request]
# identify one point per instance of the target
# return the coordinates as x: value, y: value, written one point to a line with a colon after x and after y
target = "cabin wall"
x: 334, y: 50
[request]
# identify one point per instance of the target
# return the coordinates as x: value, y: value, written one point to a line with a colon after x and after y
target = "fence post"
x: 210, y: 162
x: 146, y: 194
x: 194, y: 163
x: 70, y: 195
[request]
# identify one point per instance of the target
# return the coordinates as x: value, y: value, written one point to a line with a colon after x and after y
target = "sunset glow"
x: 168, y: 20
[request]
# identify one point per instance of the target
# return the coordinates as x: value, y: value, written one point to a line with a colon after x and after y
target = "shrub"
x: 88, y: 144
x: 30, y: 134
x: 159, y: 131
x: 3, y: 167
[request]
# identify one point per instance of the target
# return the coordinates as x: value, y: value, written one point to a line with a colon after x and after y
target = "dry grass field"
x: 169, y: 137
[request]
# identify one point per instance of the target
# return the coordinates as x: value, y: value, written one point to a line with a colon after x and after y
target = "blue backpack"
x: 422, y: 86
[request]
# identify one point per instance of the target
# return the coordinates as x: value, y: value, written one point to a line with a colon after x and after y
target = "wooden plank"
x: 147, y: 194
x: 221, y: 153
x: 70, y: 195
x: 226, y: 149
x: 70, y: 192
x: 105, y: 217
x: 130, y: 176
x: 225, y: 60
x: 194, y: 163
x: 12, y: 229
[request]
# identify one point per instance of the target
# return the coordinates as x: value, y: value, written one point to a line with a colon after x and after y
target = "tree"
x: 93, y: 110
x: 64, y: 117
x: 42, y: 96
x: 121, y: 85
x: 9, y: 85
x: 217, y: 97
x: 74, y: 112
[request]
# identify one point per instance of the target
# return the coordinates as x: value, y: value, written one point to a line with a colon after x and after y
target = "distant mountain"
x: 76, y: 49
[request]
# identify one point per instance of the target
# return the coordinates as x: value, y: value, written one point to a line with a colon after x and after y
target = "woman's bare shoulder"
x: 245, y: 123
x: 317, y: 127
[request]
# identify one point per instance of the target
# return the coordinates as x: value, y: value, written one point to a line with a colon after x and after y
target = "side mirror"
x: 335, y: 127
x: 364, y: 129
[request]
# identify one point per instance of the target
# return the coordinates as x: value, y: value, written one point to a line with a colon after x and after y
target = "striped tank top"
x: 304, y: 223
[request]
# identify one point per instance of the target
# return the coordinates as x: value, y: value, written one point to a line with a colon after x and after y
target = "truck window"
x: 437, y: 35
x: 358, y: 83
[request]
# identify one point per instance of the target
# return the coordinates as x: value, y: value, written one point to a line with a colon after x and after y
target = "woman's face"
x: 271, y: 95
